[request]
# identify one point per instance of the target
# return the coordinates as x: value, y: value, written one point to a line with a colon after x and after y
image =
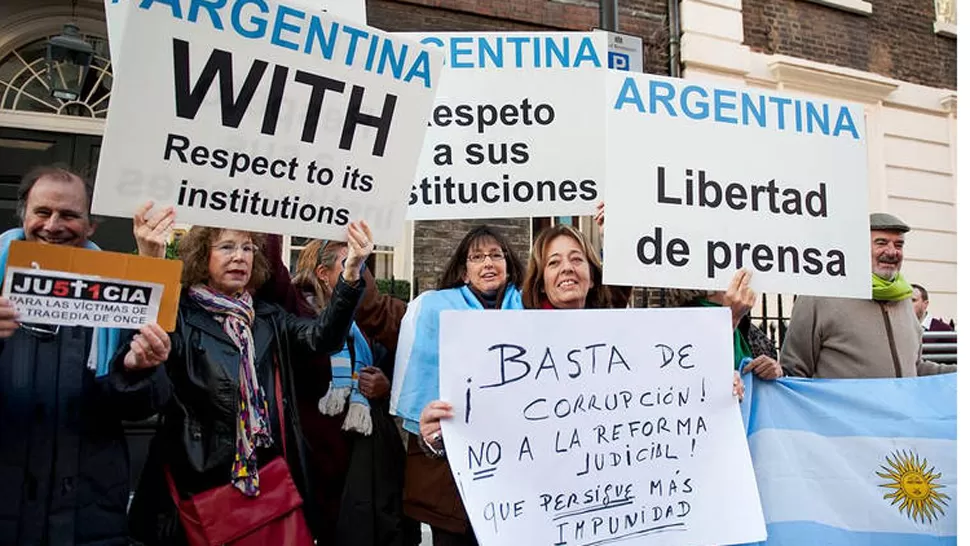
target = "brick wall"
x: 896, y: 40
x: 644, y: 18
x: 435, y: 241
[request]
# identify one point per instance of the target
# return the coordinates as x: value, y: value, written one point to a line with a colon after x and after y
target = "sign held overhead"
x: 265, y: 115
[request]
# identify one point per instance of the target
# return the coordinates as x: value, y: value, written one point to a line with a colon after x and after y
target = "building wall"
x: 896, y: 40
x: 894, y: 62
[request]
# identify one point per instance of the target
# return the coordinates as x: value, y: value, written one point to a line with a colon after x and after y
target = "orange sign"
x: 106, y: 265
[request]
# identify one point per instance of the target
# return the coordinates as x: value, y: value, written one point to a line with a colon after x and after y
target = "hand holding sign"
x: 600, y: 216
x: 149, y: 348
x: 8, y: 318
x: 152, y: 233
x: 360, y: 244
x: 739, y: 296
x: 431, y: 417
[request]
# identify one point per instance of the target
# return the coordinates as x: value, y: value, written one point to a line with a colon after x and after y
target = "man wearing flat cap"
x: 852, y: 338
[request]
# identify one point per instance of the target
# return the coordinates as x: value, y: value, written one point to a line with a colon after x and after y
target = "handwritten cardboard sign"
x: 575, y: 428
x: 130, y: 290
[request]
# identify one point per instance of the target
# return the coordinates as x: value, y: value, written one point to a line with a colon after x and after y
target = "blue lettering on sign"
x: 304, y: 31
x: 517, y: 51
x: 618, y: 61
x: 735, y: 107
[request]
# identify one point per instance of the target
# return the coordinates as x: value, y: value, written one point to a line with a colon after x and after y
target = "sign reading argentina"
x: 512, y: 132
x: 263, y: 114
x: 707, y: 179
x: 115, y: 12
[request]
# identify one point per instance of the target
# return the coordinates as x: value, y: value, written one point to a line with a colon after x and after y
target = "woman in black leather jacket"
x: 221, y: 423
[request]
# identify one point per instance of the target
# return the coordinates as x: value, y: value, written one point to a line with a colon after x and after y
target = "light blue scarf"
x: 415, y: 381
x: 104, y: 342
x: 344, y: 385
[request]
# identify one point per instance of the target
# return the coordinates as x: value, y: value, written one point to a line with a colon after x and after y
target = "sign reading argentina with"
x: 265, y: 115
x: 855, y: 461
x: 513, y: 132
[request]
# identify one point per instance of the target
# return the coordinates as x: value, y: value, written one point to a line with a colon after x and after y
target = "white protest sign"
x: 70, y: 299
x: 706, y: 179
x: 514, y: 132
x: 115, y: 12
x: 266, y: 117
x: 597, y: 426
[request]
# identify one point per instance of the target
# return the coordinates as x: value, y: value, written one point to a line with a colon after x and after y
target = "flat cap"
x: 886, y: 222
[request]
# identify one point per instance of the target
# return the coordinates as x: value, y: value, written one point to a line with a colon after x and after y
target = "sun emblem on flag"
x: 913, y: 487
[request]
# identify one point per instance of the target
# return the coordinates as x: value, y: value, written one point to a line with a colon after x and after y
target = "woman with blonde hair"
x: 564, y: 272
x: 371, y: 476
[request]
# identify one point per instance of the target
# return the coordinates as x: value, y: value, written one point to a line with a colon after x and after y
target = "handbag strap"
x: 278, y: 388
x: 279, y: 401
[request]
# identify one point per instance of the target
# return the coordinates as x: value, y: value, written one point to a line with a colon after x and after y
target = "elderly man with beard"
x: 852, y: 338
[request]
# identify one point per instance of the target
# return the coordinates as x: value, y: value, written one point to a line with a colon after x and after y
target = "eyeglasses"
x: 41, y: 330
x: 228, y: 249
x: 478, y: 257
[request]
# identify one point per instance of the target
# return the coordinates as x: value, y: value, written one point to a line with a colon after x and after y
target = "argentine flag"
x: 855, y: 461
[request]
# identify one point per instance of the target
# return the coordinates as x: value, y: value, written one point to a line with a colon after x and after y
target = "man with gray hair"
x: 852, y: 338
x: 63, y: 454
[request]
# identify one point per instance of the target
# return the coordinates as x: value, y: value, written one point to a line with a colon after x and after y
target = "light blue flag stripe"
x: 807, y: 532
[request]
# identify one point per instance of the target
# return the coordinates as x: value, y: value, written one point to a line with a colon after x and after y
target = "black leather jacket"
x: 197, y: 436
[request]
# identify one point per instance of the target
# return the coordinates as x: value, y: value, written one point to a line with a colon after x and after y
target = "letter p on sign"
x: 618, y: 61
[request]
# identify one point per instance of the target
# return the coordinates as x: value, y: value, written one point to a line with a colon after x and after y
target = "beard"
x: 884, y: 273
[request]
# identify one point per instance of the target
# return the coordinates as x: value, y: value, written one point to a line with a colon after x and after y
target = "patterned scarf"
x: 236, y: 316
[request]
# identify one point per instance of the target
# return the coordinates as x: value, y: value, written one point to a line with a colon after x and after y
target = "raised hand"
x: 739, y: 296
x: 153, y: 232
x: 600, y: 215
x: 360, y: 244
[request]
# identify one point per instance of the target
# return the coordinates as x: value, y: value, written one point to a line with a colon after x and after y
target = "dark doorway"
x: 21, y: 150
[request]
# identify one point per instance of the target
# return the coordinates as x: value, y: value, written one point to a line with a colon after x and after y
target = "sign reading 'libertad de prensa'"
x: 707, y: 179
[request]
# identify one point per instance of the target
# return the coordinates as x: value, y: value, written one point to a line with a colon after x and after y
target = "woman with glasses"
x: 232, y: 364
x: 483, y: 273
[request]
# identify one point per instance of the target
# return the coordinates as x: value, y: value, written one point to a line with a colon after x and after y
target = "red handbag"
x: 224, y: 515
